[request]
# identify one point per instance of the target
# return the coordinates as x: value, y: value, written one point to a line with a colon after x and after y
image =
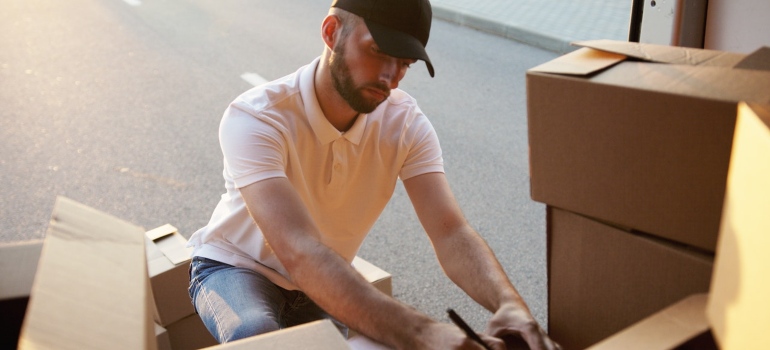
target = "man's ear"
x: 329, y: 30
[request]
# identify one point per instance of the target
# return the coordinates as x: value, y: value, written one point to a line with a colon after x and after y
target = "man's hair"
x: 349, y: 21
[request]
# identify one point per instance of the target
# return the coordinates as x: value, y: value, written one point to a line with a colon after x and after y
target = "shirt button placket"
x: 337, y: 162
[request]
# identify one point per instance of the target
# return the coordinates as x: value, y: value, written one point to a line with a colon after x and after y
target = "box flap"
x: 91, y: 290
x: 160, y: 232
x: 170, y: 243
x: 580, y: 62
x: 665, y: 329
x: 739, y: 301
x: 18, y: 263
x: 663, y: 53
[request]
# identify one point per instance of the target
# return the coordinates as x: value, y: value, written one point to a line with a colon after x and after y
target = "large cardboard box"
x: 739, y: 304
x: 168, y: 260
x: 639, y: 135
x: 91, y: 289
x: 603, y: 279
x: 18, y: 263
x: 318, y: 335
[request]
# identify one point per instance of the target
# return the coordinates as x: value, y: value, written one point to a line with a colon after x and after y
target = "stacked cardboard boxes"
x: 735, y: 310
x: 630, y: 146
x: 168, y: 260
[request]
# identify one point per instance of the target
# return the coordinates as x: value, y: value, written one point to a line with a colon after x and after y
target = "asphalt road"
x: 116, y: 104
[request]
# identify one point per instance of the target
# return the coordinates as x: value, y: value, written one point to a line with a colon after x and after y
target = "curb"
x: 505, y: 30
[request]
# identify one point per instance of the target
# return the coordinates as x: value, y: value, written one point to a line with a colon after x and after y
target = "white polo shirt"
x: 344, y: 179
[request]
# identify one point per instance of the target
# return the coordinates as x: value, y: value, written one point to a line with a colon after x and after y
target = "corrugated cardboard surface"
x: 739, y: 304
x: 603, y: 279
x: 643, y: 145
x: 666, y: 329
x: 91, y: 286
x: 318, y: 335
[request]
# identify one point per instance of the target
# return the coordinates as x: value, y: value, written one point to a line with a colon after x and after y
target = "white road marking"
x: 253, y: 78
x: 133, y: 2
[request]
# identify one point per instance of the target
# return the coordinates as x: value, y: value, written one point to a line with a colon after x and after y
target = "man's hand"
x: 513, y: 324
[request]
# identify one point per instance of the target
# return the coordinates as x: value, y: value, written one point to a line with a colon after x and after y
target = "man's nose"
x: 390, y: 73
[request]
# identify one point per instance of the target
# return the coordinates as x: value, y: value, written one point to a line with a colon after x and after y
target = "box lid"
x: 170, y: 243
x: 91, y: 289
x: 738, y: 304
x: 664, y: 54
x: 597, y: 55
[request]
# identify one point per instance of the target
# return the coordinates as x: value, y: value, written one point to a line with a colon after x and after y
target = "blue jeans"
x: 236, y: 303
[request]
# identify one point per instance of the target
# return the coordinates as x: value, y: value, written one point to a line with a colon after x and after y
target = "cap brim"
x: 398, y: 44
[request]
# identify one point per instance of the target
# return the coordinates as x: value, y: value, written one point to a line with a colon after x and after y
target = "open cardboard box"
x: 640, y: 135
x: 735, y: 310
x: 90, y: 289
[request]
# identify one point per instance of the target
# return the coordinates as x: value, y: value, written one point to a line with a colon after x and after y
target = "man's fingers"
x: 493, y: 342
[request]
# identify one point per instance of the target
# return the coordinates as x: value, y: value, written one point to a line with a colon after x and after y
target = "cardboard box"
x: 602, y: 279
x: 18, y: 263
x: 642, y: 141
x: 168, y: 261
x: 682, y: 325
x: 189, y: 333
x: 378, y: 277
x: 91, y: 289
x: 739, y: 304
x: 318, y: 335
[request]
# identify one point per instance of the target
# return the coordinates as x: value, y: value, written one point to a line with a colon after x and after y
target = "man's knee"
x: 249, y: 324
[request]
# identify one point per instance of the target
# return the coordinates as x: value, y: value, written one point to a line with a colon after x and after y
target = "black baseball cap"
x: 399, y: 27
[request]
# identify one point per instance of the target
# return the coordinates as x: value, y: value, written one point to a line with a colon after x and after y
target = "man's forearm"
x: 469, y: 262
x: 338, y: 289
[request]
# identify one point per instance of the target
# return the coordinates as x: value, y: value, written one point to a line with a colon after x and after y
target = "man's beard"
x: 343, y: 83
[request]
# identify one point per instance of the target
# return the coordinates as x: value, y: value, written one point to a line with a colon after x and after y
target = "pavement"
x: 547, y: 24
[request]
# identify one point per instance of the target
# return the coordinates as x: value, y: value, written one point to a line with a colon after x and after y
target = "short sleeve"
x: 423, y: 149
x: 254, y: 148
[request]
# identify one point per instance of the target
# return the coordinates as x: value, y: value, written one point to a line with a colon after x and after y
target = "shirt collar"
x: 325, y: 131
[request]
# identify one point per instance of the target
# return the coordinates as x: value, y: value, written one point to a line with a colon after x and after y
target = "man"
x: 310, y: 161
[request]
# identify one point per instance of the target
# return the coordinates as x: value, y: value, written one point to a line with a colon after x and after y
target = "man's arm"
x: 469, y: 262
x: 330, y: 281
